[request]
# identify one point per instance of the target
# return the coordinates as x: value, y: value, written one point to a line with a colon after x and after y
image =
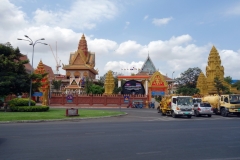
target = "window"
x: 205, y: 105
x: 226, y: 99
x: 174, y: 100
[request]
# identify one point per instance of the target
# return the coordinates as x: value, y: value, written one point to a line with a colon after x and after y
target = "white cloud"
x: 126, y: 25
x: 145, y: 17
x: 128, y: 47
x: 178, y: 53
x: 123, y: 67
x: 234, y: 10
x: 101, y: 46
x: 11, y: 17
x: 82, y: 14
x: 230, y: 62
x: 160, y: 22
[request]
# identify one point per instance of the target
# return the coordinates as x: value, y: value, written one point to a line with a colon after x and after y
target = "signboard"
x: 69, y: 98
x: 37, y: 94
x: 72, y: 112
x: 126, y: 99
x: 133, y: 86
x: 158, y: 93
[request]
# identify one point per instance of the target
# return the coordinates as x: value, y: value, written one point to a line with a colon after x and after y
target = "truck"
x: 225, y: 105
x: 176, y: 106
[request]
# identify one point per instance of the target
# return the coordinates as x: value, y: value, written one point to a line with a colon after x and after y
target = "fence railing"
x: 93, y: 99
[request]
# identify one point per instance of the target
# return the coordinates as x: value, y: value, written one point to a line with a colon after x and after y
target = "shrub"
x: 20, y: 102
x: 29, y: 108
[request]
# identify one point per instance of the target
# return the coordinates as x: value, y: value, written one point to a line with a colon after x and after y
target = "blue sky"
x: 177, y: 34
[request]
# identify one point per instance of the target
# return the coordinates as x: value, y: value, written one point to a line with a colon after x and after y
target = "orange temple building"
x: 81, y: 65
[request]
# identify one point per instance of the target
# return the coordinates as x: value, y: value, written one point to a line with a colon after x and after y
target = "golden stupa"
x: 109, y: 83
x: 214, y: 69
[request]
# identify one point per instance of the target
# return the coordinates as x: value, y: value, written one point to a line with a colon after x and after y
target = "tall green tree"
x: 56, y: 84
x: 96, y: 89
x: 187, y: 82
x: 14, y: 78
x: 228, y: 79
x: 101, y: 80
x: 218, y: 84
x: 237, y: 85
x: 88, y: 84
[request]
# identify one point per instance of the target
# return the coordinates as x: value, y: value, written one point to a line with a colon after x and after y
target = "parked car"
x: 203, y: 108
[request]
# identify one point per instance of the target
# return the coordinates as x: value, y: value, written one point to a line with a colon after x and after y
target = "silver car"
x: 202, y: 108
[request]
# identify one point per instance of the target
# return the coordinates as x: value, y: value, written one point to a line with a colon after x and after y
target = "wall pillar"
x: 146, y: 87
x: 119, y: 83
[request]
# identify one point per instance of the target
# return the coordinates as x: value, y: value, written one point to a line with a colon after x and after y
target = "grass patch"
x: 54, y: 114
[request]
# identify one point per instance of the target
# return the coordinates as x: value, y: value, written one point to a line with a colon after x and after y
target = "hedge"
x: 29, y: 108
x: 20, y: 102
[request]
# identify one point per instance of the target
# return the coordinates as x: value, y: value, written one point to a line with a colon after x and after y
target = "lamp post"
x: 33, y: 43
x: 172, y: 82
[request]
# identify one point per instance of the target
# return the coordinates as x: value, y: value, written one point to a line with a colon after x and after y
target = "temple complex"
x: 153, y: 81
x: 81, y: 65
x: 214, y: 69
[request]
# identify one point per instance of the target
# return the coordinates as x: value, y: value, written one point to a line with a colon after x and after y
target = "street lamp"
x: 172, y: 82
x: 33, y: 44
x: 172, y: 74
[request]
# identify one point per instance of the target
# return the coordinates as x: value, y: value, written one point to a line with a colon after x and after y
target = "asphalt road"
x: 142, y: 134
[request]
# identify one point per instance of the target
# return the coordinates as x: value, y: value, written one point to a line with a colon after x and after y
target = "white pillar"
x: 146, y: 86
x: 119, y: 83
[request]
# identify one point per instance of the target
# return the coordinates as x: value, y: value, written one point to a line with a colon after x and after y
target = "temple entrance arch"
x: 157, y: 85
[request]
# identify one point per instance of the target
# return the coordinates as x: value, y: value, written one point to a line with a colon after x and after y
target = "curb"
x: 57, y: 120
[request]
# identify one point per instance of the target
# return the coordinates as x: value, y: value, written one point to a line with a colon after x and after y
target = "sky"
x: 176, y: 34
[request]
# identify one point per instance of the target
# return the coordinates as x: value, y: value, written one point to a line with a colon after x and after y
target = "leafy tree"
x: 237, y: 85
x: 186, y: 84
x: 14, y: 77
x: 187, y: 91
x: 88, y: 84
x: 101, y: 80
x: 96, y: 89
x: 228, y: 79
x: 189, y: 78
x: 56, y: 84
x: 218, y: 84
x: 36, y: 81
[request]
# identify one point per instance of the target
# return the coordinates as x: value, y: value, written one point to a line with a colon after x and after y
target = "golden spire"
x: 82, y: 45
x: 201, y: 84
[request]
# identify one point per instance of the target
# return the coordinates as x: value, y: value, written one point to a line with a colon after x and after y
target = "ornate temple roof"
x: 148, y: 66
x: 81, y: 59
x: 42, y: 68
